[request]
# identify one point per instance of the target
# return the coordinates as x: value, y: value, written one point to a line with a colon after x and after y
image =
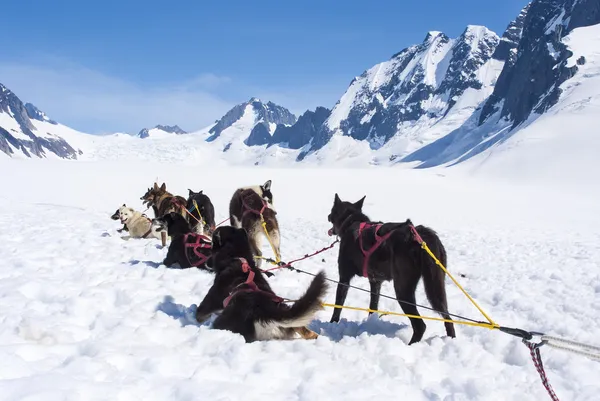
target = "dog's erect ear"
x: 359, y: 204
x: 200, y: 192
x: 124, y: 205
x: 155, y: 186
x: 190, y: 192
x: 337, y: 200
x: 163, y: 187
x: 267, y: 185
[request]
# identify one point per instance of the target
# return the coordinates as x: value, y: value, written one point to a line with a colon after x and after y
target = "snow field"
x: 87, y: 316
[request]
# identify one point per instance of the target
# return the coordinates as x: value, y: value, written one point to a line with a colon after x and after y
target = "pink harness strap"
x: 378, y: 241
x: 248, y: 209
x: 250, y: 283
x: 416, y: 235
x: 200, y: 242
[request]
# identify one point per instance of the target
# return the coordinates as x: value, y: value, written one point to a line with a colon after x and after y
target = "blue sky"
x: 123, y: 65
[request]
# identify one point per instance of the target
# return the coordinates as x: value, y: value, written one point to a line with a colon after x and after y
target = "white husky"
x: 139, y: 226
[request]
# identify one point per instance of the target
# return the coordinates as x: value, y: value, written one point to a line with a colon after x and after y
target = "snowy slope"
x: 556, y: 143
x: 562, y: 144
x: 86, y: 315
x: 25, y: 131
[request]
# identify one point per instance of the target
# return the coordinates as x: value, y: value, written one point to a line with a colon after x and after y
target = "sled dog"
x: 248, y: 304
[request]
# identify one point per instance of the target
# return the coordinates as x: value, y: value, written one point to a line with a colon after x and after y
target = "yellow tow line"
x: 490, y: 325
x: 277, y: 257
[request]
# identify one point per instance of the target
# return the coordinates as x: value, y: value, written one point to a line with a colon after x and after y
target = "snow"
x: 432, y: 35
x: 442, y: 67
x: 157, y: 132
x: 434, y: 57
x: 367, y: 117
x: 475, y: 34
x: 76, y: 139
x: 342, y: 108
x: 8, y: 122
x: 556, y: 21
x: 239, y: 130
x: 44, y: 129
x: 86, y: 315
x: 552, y: 51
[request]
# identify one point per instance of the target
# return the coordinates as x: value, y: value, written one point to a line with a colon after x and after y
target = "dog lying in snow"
x: 248, y: 304
x: 117, y: 215
x: 187, y: 248
x: 138, y: 225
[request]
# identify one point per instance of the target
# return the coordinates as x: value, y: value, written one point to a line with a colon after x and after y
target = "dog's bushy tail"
x: 433, y: 276
x: 303, y: 310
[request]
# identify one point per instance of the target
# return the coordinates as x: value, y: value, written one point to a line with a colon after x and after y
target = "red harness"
x: 201, y: 242
x: 378, y: 241
x: 248, y: 209
x: 252, y: 287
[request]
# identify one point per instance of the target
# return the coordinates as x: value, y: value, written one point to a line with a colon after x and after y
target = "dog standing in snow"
x: 138, y: 225
x: 247, y: 209
x: 248, y: 304
x: 389, y: 252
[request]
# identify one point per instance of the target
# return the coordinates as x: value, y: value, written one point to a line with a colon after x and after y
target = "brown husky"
x: 163, y: 202
x: 248, y: 208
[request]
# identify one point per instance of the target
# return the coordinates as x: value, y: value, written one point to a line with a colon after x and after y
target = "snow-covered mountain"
x: 251, y: 123
x: 420, y: 94
x: 161, y: 130
x: 300, y: 134
x: 547, y: 74
x: 26, y: 131
x: 440, y: 102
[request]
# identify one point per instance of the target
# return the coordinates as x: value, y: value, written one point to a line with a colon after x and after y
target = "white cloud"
x: 93, y: 101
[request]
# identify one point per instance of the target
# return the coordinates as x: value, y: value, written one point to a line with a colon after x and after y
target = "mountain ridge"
x: 436, y: 103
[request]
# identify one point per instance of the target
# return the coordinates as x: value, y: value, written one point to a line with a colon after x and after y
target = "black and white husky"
x: 248, y: 304
x: 248, y: 207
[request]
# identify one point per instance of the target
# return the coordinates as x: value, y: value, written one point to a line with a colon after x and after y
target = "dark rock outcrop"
x: 267, y: 114
x: 300, y: 134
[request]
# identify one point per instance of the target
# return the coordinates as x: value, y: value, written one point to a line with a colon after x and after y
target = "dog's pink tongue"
x: 330, y: 232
